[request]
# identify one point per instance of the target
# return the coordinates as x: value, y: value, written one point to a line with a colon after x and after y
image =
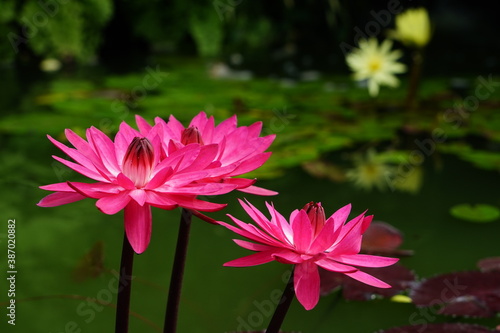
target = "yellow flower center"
x: 374, y: 65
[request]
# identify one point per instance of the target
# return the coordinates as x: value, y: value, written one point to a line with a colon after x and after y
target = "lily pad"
x: 469, y: 294
x: 399, y: 277
x: 480, y: 213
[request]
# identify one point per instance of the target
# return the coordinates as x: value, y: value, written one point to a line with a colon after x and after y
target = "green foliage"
x: 206, y: 29
x: 480, y: 213
x: 65, y: 30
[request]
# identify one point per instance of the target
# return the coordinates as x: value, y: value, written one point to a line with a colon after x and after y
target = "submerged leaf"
x: 473, y: 294
x: 383, y: 239
x: 480, y: 213
x: 91, y: 265
x: 439, y: 328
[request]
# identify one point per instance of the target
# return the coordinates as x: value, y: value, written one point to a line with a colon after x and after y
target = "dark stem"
x: 416, y: 69
x: 124, y: 288
x: 282, y: 308
x: 174, y: 293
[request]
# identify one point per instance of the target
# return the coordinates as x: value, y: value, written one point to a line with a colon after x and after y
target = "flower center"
x: 316, y: 215
x: 191, y: 135
x: 138, y: 161
x: 374, y: 65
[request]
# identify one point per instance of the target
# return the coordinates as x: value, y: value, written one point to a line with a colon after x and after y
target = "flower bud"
x: 138, y: 161
x: 191, y: 135
x: 316, y: 215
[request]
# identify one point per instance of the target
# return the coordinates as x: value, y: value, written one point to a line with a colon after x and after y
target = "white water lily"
x: 376, y: 64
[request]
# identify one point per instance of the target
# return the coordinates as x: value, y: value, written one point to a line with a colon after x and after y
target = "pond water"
x: 54, y: 296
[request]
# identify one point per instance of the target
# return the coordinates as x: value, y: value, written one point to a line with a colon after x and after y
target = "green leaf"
x: 480, y: 213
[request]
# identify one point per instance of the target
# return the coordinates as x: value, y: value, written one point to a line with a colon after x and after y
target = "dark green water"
x: 51, y: 241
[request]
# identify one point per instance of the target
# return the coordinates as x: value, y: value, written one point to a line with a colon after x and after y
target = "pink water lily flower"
x: 308, y: 241
x: 241, y: 147
x: 135, y: 172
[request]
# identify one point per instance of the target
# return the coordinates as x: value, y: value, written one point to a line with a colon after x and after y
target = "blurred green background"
x: 68, y: 64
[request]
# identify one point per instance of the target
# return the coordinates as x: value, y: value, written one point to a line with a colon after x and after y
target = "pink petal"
x: 334, y: 266
x: 288, y: 257
x: 139, y: 195
x: 306, y: 283
x: 114, y: 203
x: 255, y: 129
x: 257, y: 191
x: 61, y: 187
x: 75, y: 155
x: 84, y: 148
x: 138, y: 224
x: 224, y: 128
x: 340, y: 216
x: 199, y: 121
x: 302, y: 231
x: 365, y: 260
x: 193, y: 203
x: 123, y: 139
x: 80, y: 169
x: 160, y: 178
x: 159, y: 200
x: 176, y: 127
x: 60, y: 198
x: 105, y: 149
x: 96, y: 190
x: 368, y: 279
x: 144, y: 126
x: 251, y: 232
x: 253, y: 246
x: 258, y: 258
x: 251, y: 163
x: 125, y: 182
x: 326, y: 237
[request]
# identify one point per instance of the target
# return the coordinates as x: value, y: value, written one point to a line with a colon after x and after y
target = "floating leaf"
x: 480, y: 213
x: 399, y: 277
x: 489, y: 264
x: 384, y: 239
x: 439, y: 328
x: 473, y: 294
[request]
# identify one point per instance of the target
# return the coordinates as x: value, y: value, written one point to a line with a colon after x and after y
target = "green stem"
x: 282, y: 308
x: 125, y: 287
x: 415, y: 73
x: 174, y: 294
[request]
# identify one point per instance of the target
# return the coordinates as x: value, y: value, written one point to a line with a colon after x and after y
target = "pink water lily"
x: 135, y: 172
x: 308, y: 241
x: 240, y: 147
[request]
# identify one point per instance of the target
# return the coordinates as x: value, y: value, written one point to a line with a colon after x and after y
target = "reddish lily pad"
x: 383, y: 239
x: 439, y: 328
x: 489, y: 264
x: 471, y: 294
x: 399, y: 277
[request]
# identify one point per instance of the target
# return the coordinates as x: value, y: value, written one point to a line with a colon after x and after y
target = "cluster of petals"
x: 152, y: 167
x: 240, y: 149
x: 308, y: 241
